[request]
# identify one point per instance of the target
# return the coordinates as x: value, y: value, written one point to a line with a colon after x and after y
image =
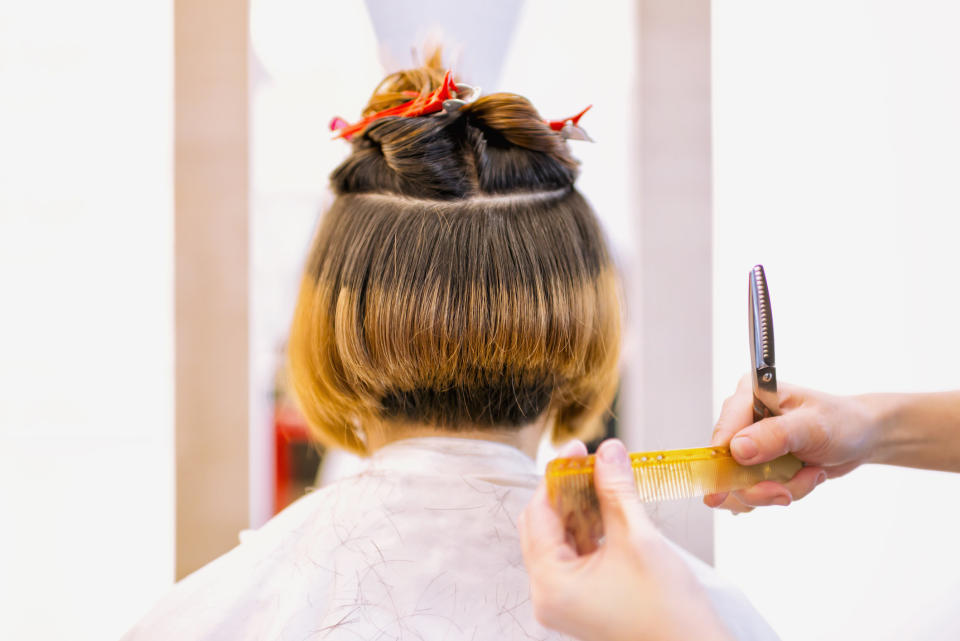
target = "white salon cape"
x: 423, y: 545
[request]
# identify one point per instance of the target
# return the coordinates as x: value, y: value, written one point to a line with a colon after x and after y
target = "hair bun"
x: 423, y: 157
x: 517, y: 121
x: 497, y: 144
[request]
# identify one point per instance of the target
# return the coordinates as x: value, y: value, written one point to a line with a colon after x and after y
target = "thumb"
x: 620, y: 505
x: 772, y: 437
x: 735, y: 414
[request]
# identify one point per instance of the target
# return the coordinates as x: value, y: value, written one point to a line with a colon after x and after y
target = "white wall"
x: 299, y: 81
x: 86, y: 425
x: 836, y: 159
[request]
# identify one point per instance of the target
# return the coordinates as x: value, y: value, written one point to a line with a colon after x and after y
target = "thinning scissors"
x: 762, y: 359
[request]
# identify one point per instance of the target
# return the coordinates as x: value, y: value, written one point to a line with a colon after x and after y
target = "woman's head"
x: 458, y: 280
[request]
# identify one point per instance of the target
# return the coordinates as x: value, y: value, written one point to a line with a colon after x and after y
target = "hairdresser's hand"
x: 634, y: 586
x: 831, y: 434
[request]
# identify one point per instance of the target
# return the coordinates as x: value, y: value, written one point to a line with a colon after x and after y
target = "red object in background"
x: 289, y: 427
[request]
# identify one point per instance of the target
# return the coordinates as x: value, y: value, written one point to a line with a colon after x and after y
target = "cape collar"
x: 443, y: 455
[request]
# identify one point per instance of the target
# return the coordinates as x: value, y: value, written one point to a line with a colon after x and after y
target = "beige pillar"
x: 211, y: 265
x: 671, y: 289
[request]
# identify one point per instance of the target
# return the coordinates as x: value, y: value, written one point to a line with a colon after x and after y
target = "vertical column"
x: 672, y: 289
x: 211, y: 266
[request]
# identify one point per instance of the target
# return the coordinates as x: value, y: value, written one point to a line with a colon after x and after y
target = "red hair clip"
x: 570, y: 128
x: 418, y: 105
x: 447, y: 97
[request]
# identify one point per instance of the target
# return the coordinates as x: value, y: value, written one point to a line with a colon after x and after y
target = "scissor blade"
x: 762, y: 354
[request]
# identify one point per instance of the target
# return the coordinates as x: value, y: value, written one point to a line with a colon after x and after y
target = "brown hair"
x: 459, y: 279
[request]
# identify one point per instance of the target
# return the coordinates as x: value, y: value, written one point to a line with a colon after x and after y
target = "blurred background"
x: 163, y: 164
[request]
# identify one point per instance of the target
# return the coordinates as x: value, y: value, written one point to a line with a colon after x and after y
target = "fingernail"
x: 714, y: 500
x: 782, y: 500
x: 613, y: 452
x: 570, y: 448
x: 743, y: 448
x: 821, y: 477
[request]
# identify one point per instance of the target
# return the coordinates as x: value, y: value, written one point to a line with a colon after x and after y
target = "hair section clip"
x: 448, y: 97
x: 569, y: 128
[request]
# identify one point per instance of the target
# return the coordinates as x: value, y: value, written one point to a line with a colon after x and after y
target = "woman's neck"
x: 525, y: 438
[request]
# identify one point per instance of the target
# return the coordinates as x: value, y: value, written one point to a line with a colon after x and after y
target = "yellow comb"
x: 660, y: 476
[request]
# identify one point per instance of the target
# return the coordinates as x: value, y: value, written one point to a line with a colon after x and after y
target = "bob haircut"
x: 458, y: 279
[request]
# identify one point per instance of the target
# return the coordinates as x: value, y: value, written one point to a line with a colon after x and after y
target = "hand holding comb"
x: 674, y: 474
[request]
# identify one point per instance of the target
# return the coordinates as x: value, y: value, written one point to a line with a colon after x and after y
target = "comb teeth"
x: 660, y: 476
x: 764, y: 314
x: 665, y: 482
